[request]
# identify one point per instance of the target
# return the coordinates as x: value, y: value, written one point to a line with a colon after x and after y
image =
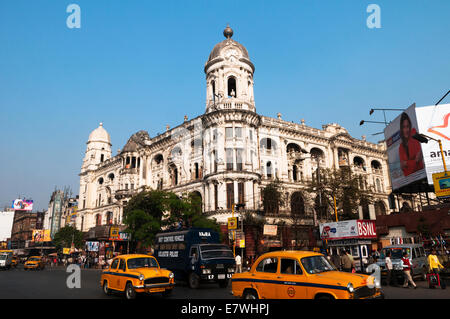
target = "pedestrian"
x: 336, y: 260
x: 435, y: 265
x: 406, y: 265
x: 391, y: 278
x: 346, y: 262
x: 351, y: 260
x: 238, y: 264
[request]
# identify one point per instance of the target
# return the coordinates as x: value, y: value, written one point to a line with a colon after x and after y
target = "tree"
x: 144, y: 216
x: 66, y: 235
x: 272, y: 197
x: 350, y: 191
x: 150, y: 211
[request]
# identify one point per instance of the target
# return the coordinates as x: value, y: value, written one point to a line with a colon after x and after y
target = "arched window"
x: 269, y: 169
x: 358, y: 162
x: 213, y: 89
x: 297, y: 204
x: 98, y: 220
x: 109, y: 218
x: 232, y: 87
x: 380, y: 208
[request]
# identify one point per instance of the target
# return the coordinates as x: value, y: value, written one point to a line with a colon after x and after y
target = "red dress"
x: 413, y: 149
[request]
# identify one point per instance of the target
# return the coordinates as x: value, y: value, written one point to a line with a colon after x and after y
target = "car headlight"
x: 230, y: 269
x: 171, y: 275
x: 141, y: 277
x: 350, y: 288
x: 206, y: 271
x: 377, y: 283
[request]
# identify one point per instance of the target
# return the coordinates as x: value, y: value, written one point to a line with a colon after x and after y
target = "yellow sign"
x: 114, y: 233
x: 241, y: 243
x: 232, y: 223
x: 441, y: 183
x: 66, y: 251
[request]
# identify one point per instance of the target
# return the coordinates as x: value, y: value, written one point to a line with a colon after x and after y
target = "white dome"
x: 99, y: 135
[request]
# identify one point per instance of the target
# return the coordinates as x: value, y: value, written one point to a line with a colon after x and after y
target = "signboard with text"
x: 348, y: 229
x: 441, y: 183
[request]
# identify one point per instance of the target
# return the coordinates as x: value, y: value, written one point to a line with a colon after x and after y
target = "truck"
x: 6, y: 259
x: 195, y: 255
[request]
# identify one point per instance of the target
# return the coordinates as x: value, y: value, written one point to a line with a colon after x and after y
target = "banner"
x: 92, y: 245
x: 270, y: 230
x: 406, y: 164
x: 41, y: 235
x: 361, y: 229
x: 22, y: 204
x: 433, y: 121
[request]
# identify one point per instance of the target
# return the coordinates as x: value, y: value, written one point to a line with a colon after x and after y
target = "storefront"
x: 104, y: 242
x: 355, y: 236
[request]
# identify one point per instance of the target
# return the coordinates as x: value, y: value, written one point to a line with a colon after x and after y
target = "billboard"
x: 442, y: 184
x: 22, y: 204
x: 41, y: 235
x: 349, y: 229
x: 434, y: 122
x: 406, y: 163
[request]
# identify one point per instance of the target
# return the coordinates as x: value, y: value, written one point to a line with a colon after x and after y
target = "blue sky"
x: 137, y: 65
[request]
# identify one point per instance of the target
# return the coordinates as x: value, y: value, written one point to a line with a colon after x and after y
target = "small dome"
x: 228, y: 33
x: 99, y: 135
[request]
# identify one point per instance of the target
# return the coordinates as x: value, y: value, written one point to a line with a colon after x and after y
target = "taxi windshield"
x: 3, y: 257
x: 316, y: 264
x: 33, y: 259
x: 216, y: 251
x: 141, y: 263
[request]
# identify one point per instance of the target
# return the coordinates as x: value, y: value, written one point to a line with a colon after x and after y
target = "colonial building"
x: 226, y: 155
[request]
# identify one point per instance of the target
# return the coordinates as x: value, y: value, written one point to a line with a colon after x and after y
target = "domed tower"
x: 98, y: 148
x: 229, y: 76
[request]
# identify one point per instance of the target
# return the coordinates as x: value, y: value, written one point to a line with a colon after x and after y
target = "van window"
x: 268, y: 265
x: 422, y: 251
x: 414, y: 253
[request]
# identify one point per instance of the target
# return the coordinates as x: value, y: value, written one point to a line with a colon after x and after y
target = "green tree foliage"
x: 350, y: 190
x: 272, y: 197
x: 63, y: 238
x: 149, y: 211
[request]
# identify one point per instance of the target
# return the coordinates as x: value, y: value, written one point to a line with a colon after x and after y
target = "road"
x: 52, y: 284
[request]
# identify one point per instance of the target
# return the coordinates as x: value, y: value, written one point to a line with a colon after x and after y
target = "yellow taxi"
x: 136, y: 273
x: 34, y: 262
x: 301, y: 275
x: 14, y: 261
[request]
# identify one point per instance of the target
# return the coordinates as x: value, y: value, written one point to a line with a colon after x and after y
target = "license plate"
x: 222, y: 276
x: 157, y: 290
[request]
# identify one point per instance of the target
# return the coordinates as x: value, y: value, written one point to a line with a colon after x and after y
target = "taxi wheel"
x: 250, y: 294
x: 194, y: 281
x: 130, y: 293
x: 106, y: 289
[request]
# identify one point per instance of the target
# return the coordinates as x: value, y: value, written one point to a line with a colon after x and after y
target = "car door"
x: 265, y: 278
x: 291, y: 279
x: 110, y: 276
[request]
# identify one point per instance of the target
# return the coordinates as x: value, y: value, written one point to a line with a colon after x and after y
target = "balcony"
x: 231, y: 103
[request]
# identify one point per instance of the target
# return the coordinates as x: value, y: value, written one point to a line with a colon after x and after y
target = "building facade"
x: 226, y: 155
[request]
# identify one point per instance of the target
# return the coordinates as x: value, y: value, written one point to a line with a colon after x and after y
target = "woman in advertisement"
x: 410, y: 152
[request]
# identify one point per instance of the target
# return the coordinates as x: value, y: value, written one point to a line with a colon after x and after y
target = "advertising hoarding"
x: 22, y: 204
x: 92, y: 246
x: 41, y: 235
x: 270, y: 230
x: 406, y: 164
x: 442, y: 184
x: 433, y: 121
x: 348, y: 229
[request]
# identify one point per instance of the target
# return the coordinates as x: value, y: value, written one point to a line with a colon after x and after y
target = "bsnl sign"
x: 364, y: 229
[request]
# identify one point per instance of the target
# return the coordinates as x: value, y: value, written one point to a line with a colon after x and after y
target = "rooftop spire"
x: 228, y: 32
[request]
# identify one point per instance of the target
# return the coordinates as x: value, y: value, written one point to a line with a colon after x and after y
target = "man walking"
x: 435, y: 265
x: 390, y: 275
x: 238, y: 264
x: 406, y: 264
x: 346, y: 262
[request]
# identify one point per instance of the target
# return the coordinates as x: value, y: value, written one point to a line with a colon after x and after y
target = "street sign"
x: 270, y: 230
x: 232, y: 223
x: 441, y: 183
